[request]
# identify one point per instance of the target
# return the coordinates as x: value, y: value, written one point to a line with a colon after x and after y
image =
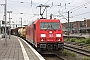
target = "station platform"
x: 17, y: 49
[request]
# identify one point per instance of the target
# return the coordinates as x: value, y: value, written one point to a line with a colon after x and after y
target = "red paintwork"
x: 32, y: 34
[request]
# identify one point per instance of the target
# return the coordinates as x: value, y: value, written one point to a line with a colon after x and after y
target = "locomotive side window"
x: 50, y: 25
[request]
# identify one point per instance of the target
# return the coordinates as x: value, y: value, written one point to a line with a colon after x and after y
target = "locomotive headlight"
x: 58, y: 35
x: 42, y: 40
x: 58, y: 40
x: 43, y: 35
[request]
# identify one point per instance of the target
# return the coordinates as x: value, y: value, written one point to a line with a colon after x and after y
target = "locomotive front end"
x: 51, y: 38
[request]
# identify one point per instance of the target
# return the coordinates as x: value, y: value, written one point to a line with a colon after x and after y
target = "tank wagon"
x: 22, y: 32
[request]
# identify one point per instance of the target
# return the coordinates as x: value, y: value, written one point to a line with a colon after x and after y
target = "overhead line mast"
x: 41, y: 13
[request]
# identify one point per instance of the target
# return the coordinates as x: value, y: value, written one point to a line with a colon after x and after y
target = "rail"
x: 77, y: 49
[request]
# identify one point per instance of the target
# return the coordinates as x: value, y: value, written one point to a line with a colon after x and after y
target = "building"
x: 77, y: 26
x: 2, y: 27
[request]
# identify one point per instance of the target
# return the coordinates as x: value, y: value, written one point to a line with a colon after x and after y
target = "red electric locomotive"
x: 46, y: 35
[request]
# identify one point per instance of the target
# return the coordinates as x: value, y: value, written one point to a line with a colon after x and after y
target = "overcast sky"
x: 80, y: 9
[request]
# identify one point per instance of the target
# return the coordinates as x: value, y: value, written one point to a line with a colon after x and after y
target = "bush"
x: 82, y: 40
x: 88, y: 41
x: 72, y: 39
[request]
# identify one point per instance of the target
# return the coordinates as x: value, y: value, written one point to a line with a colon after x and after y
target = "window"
x: 3, y: 22
x: 81, y: 24
x: 50, y: 25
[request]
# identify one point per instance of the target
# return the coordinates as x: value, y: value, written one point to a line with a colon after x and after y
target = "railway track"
x: 53, y: 57
x: 81, y: 45
x: 77, y: 49
x: 66, y: 36
x: 62, y: 58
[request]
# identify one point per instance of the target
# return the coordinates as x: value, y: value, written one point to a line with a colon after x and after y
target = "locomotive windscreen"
x: 50, y: 25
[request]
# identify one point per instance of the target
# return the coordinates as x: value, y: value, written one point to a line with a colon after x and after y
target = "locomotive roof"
x: 47, y: 20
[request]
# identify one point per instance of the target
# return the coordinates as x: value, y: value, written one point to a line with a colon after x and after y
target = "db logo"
x: 50, y: 35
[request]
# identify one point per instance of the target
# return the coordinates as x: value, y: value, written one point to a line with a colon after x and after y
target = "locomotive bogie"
x: 51, y: 46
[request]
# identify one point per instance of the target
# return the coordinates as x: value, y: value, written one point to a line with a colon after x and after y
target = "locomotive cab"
x: 45, y: 35
x: 50, y: 35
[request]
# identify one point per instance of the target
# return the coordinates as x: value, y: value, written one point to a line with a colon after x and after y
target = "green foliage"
x: 66, y: 53
x: 86, y: 58
x: 88, y: 41
x: 78, y: 41
x: 84, y: 31
x: 73, y: 54
x: 88, y: 47
x: 73, y: 39
x: 82, y: 40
